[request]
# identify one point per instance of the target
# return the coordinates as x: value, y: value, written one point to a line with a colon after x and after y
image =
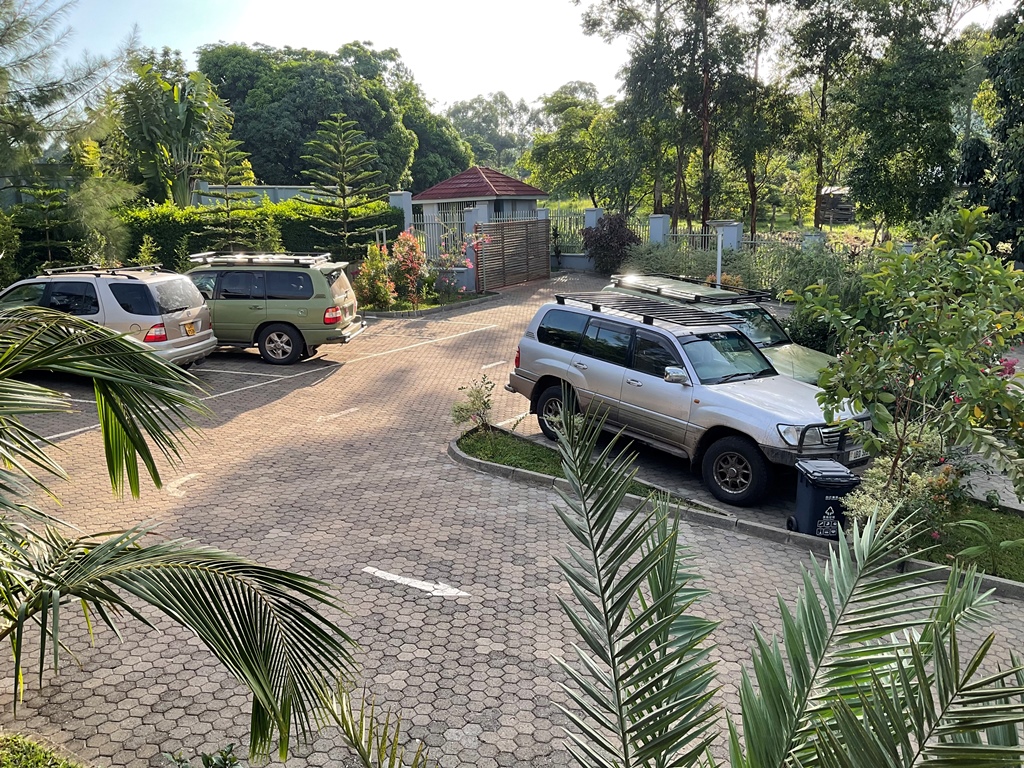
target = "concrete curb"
x: 407, y: 313
x: 706, y: 514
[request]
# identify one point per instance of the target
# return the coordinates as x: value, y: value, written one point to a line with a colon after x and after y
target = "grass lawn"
x: 1007, y: 563
x: 19, y: 752
x: 502, y: 448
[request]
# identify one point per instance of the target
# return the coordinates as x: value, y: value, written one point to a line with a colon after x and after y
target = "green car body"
x: 287, y: 305
x: 756, y: 322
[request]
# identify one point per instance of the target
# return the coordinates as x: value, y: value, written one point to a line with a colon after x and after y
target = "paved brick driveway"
x: 342, y: 467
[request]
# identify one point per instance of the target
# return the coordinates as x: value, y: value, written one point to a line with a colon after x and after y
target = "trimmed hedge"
x: 297, y: 221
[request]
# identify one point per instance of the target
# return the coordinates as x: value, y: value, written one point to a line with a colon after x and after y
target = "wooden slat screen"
x: 518, y: 251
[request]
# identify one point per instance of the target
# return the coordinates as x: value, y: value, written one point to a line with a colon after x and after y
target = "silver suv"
x: 680, y: 379
x: 160, y: 309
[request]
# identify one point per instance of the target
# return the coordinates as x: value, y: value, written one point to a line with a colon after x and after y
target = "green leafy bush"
x: 292, y: 223
x: 607, y: 242
x: 372, y: 284
x: 10, y: 240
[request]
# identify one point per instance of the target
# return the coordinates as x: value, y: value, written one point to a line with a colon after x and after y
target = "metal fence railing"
x: 567, y: 231
x: 441, y: 236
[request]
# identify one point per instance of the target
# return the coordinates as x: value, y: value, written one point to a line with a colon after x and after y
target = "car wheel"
x: 735, y: 471
x: 280, y: 344
x: 550, y: 408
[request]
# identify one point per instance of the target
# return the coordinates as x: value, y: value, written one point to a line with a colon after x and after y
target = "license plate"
x: 857, y: 453
x: 190, y: 329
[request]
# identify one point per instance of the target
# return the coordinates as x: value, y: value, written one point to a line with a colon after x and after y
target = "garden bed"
x: 1006, y: 562
x: 19, y: 752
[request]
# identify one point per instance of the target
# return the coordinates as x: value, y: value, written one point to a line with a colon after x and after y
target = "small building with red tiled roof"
x: 503, y: 196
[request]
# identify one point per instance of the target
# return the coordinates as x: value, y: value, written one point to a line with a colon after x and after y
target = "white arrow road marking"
x: 173, y: 488
x: 438, y: 589
x: 331, y: 416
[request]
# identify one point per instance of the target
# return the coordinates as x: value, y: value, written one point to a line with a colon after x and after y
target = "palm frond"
x: 141, y: 400
x: 642, y: 683
x: 262, y: 623
x: 377, y: 743
x: 930, y: 710
x: 855, y: 617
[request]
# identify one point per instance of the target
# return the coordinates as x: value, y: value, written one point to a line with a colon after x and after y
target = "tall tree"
x: 40, y: 97
x: 342, y: 174
x: 904, y: 167
x: 826, y: 40
x: 167, y: 126
x: 280, y: 96
x: 224, y: 165
x: 498, y: 128
x: 1006, y: 70
x: 440, y: 151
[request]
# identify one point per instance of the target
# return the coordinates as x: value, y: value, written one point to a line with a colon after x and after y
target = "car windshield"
x: 718, y: 357
x: 759, y: 326
x: 176, y: 294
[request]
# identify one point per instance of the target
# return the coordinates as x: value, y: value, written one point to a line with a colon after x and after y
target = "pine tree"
x: 223, y: 166
x: 342, y: 174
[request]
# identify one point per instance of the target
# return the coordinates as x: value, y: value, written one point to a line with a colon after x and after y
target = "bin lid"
x: 826, y: 472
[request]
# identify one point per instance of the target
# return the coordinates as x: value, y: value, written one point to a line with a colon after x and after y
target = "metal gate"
x: 513, y: 252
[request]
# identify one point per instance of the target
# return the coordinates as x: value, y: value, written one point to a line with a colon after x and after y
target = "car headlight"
x: 791, y: 434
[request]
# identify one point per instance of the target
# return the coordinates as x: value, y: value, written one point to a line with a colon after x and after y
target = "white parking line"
x: 422, y: 343
x: 438, y: 589
x: 204, y: 369
x: 332, y: 416
x: 492, y: 365
x: 173, y: 488
x: 521, y: 416
x: 320, y: 369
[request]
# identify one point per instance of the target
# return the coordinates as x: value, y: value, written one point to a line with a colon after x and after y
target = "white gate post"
x: 402, y: 200
x: 660, y: 223
x: 591, y: 216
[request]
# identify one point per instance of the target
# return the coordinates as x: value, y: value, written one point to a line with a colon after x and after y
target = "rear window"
x: 289, y: 285
x: 561, y: 329
x: 176, y: 294
x: 339, y: 283
x: 134, y: 298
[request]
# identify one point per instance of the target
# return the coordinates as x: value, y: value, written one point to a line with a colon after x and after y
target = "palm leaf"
x: 854, y: 619
x: 931, y: 710
x: 642, y: 682
x: 258, y: 621
x: 142, y: 401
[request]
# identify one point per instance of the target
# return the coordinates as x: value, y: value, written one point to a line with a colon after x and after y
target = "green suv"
x: 285, y: 304
x: 756, y: 322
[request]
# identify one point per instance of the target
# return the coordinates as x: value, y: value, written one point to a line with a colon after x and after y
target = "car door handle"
x: 255, y: 306
x: 634, y: 383
x: 581, y: 366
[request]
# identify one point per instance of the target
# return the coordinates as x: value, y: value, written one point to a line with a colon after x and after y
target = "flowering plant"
x: 408, y: 266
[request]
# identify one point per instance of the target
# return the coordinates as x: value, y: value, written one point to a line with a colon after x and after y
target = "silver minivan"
x: 159, y: 308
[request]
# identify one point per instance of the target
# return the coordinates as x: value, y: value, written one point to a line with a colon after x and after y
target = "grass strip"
x: 19, y: 752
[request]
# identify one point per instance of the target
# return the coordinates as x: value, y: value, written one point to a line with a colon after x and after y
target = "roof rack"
x: 653, y: 282
x: 225, y: 257
x: 648, y: 310
x: 96, y: 269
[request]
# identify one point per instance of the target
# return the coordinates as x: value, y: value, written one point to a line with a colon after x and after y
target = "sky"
x: 455, y: 49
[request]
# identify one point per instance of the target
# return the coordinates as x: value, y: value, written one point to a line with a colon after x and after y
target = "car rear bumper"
x: 519, y: 384
x: 353, y: 329
x: 186, y: 354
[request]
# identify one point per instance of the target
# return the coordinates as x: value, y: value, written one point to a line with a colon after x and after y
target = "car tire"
x: 549, y: 405
x: 735, y: 471
x: 281, y: 344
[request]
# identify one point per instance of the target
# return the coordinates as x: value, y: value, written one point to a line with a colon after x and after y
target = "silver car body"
x: 143, y: 303
x: 682, y: 418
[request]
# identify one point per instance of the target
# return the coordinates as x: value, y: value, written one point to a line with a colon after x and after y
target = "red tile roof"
x: 478, y: 183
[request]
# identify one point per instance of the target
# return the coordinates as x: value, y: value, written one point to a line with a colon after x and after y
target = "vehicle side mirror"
x: 675, y: 375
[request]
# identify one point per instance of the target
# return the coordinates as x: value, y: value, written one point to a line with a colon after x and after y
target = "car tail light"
x: 156, y: 333
x: 332, y: 315
x: 517, y: 357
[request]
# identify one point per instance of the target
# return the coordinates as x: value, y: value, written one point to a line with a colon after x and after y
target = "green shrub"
x: 372, y: 284
x: 606, y: 243
x: 10, y: 241
x: 291, y: 225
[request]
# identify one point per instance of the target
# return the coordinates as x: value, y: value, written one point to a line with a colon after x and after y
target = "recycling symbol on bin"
x: 828, y: 525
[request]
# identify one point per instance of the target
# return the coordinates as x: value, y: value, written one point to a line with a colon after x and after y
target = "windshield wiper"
x: 732, y: 376
x: 765, y: 372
